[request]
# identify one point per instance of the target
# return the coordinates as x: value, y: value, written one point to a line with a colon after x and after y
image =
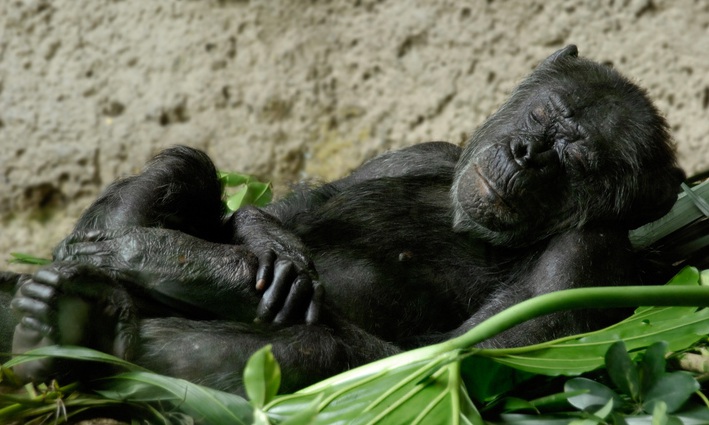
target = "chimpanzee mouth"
x: 491, y: 191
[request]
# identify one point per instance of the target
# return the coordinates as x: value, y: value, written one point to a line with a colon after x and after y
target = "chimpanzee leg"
x: 78, y: 304
x: 215, y: 353
x: 178, y: 189
x: 127, y: 239
x: 8, y: 320
x: 164, y: 231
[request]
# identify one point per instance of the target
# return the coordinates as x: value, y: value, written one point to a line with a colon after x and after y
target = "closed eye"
x: 539, y: 115
x: 575, y: 158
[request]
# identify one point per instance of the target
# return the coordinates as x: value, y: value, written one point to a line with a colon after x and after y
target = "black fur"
x: 414, y: 247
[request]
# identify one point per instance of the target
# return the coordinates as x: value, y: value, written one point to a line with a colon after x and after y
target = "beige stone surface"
x: 291, y: 89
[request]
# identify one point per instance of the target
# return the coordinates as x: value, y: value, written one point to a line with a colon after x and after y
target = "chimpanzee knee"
x: 178, y: 189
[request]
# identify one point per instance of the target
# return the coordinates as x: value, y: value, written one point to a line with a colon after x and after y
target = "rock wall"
x: 291, y: 89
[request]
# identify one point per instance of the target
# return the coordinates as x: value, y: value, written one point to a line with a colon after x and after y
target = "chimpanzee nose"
x: 532, y: 153
x: 521, y: 152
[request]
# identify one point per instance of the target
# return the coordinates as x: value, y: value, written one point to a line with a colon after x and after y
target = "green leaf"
x: 595, y: 394
x: 252, y: 193
x: 680, y: 327
x: 606, y: 410
x: 683, y: 213
x: 672, y: 389
x: 260, y: 193
x: 239, y: 199
x: 555, y: 400
x: 618, y: 419
x: 586, y: 352
x: 513, y: 404
x: 704, y: 278
x: 249, y: 191
x: 487, y: 379
x: 688, y: 276
x: 18, y: 257
x: 659, y: 413
x: 69, y: 352
x: 50, y: 403
x: 205, y: 405
x: 262, y: 377
x: 234, y: 179
x: 306, y: 416
x: 594, y: 421
x: 260, y: 418
x: 519, y: 419
x: 693, y: 416
x: 622, y: 370
x: 417, y: 387
x: 653, y: 365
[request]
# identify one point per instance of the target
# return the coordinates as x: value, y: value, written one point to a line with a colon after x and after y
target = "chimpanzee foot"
x: 71, y: 304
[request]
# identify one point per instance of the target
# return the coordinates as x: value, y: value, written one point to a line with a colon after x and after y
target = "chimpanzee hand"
x: 286, y: 275
x: 71, y: 304
x: 198, y: 276
x: 190, y: 275
x: 148, y: 256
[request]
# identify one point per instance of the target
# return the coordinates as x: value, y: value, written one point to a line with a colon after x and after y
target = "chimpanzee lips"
x: 490, y: 191
x: 481, y: 204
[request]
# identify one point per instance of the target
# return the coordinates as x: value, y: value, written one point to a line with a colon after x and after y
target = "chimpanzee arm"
x: 199, y: 266
x: 187, y: 273
x: 575, y: 259
x: 424, y: 159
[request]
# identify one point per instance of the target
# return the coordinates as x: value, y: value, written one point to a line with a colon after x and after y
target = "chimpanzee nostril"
x: 520, y: 152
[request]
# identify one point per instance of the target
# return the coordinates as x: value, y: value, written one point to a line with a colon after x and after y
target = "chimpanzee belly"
x: 389, y: 259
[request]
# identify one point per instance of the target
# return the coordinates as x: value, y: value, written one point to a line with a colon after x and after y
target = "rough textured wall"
x: 89, y: 90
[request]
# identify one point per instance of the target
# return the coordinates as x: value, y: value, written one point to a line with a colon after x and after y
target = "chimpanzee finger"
x: 60, y: 251
x: 29, y: 307
x: 29, y: 322
x: 45, y: 276
x: 312, y: 315
x: 38, y: 291
x: 70, y: 251
x: 99, y: 254
x: 84, y: 248
x: 64, y: 248
x: 264, y: 275
x: 97, y: 260
x: 275, y: 295
x: 297, y: 301
x: 91, y: 235
x: 96, y: 235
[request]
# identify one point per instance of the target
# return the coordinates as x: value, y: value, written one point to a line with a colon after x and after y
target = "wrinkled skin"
x: 414, y: 247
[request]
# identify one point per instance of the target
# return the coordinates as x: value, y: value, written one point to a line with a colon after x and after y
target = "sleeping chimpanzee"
x: 415, y: 246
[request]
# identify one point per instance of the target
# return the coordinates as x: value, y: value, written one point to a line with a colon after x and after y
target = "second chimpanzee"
x: 415, y: 246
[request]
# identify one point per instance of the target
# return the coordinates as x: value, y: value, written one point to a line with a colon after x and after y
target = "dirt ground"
x: 294, y: 89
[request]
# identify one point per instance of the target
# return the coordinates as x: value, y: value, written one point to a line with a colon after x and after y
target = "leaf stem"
x: 604, y: 297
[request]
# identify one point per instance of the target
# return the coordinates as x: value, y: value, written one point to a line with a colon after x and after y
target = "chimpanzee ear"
x: 569, y: 51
